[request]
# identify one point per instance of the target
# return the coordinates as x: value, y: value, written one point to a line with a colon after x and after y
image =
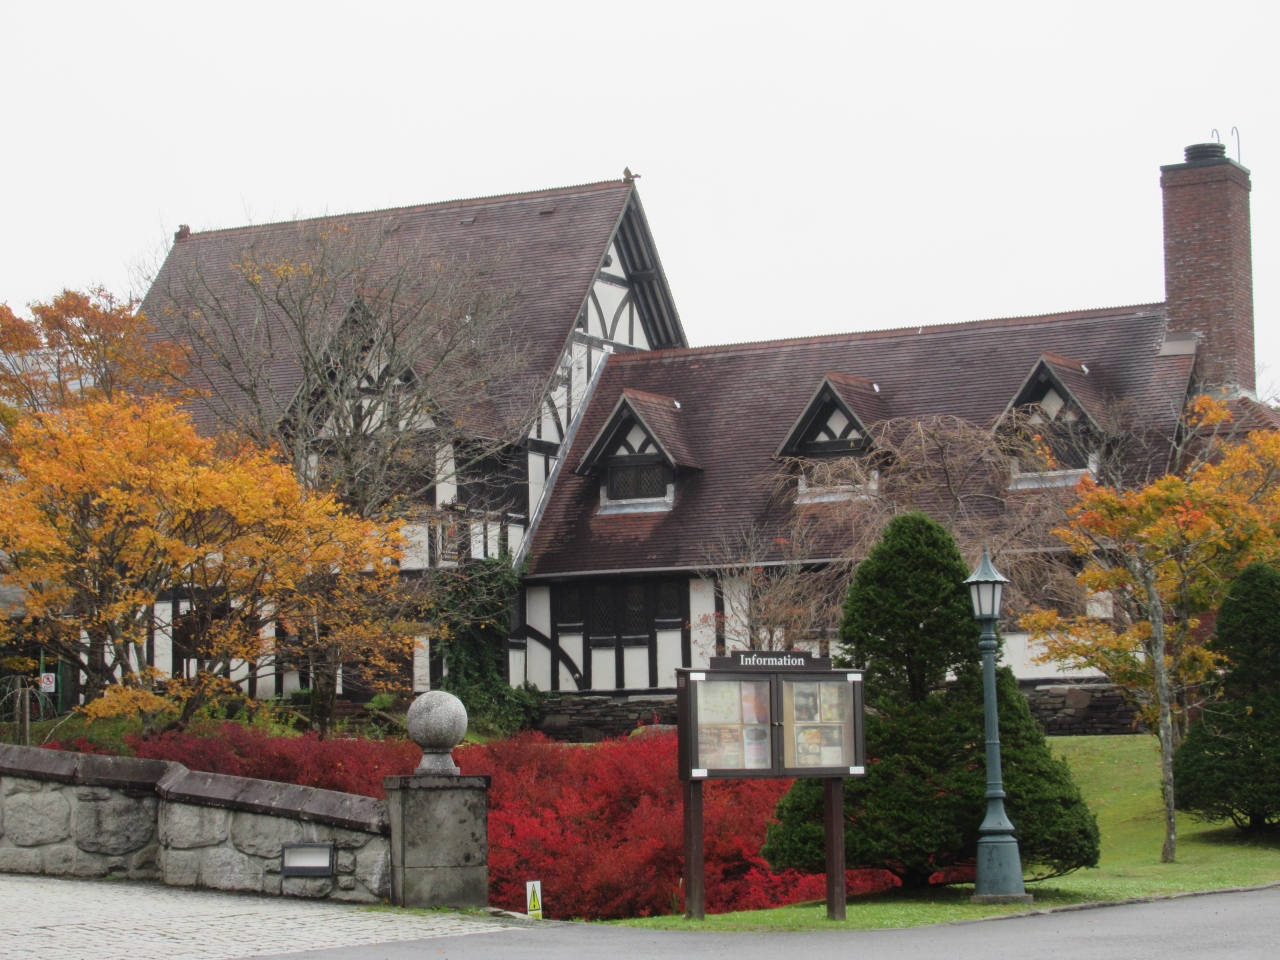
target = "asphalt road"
x: 1240, y: 926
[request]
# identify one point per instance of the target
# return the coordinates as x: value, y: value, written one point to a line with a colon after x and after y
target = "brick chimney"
x: 1208, y: 267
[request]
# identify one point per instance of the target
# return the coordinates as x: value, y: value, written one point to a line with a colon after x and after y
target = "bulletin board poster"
x: 734, y: 725
x: 817, y: 723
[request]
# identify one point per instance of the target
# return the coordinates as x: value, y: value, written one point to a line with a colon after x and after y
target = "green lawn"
x: 1120, y: 778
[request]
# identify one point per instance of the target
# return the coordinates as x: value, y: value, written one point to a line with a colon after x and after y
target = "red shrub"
x: 78, y: 745
x: 346, y: 765
x: 600, y: 825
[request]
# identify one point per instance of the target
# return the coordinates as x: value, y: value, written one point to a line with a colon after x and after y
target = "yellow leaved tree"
x: 107, y: 504
x: 1163, y: 555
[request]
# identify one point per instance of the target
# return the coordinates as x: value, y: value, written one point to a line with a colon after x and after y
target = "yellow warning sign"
x: 533, y: 898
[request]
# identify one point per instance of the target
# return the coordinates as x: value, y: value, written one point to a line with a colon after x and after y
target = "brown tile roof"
x: 547, y: 246
x: 739, y: 401
x: 661, y: 417
x: 860, y: 394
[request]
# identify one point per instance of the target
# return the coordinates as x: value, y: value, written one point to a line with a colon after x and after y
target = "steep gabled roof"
x: 544, y: 247
x: 739, y: 402
x: 660, y: 417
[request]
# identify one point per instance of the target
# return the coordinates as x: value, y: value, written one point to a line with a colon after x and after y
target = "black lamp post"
x: 999, y: 877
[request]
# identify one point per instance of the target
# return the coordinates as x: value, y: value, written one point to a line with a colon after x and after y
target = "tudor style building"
x: 672, y: 443
x: 587, y: 283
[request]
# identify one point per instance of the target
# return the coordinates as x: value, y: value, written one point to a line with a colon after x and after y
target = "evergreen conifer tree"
x: 1228, y: 768
x: 909, y: 623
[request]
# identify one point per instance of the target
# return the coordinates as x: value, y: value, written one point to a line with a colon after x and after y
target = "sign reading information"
x: 770, y: 714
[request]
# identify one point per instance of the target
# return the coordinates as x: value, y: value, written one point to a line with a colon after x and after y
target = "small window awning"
x: 643, y: 422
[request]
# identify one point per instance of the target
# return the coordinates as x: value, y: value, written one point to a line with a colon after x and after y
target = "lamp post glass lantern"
x: 999, y: 874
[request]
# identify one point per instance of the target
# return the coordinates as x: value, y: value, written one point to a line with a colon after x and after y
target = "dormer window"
x: 833, y: 425
x: 638, y: 477
x: 834, y: 421
x: 1054, y: 398
x: 833, y: 431
x: 638, y: 454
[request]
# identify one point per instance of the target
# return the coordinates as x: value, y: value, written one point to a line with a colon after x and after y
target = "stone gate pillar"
x: 439, y: 819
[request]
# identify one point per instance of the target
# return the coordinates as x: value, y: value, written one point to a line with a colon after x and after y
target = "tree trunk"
x: 1155, y: 607
x: 324, y: 692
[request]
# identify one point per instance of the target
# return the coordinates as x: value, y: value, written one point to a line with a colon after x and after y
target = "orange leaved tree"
x: 107, y: 504
x: 1164, y: 555
x: 78, y: 347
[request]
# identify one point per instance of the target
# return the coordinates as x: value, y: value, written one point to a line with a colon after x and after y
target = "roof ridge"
x: 416, y: 207
x: 1138, y: 309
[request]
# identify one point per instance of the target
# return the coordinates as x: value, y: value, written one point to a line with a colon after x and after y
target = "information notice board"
x: 759, y: 714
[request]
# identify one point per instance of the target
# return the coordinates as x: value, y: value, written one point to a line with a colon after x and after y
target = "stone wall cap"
x: 436, y: 782
x: 348, y: 810
x: 176, y: 783
x: 94, y: 770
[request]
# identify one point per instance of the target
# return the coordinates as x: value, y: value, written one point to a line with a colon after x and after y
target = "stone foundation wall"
x: 70, y: 814
x: 586, y: 719
x: 1082, y: 709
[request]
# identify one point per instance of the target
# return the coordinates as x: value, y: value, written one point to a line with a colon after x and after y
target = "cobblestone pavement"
x: 61, y: 919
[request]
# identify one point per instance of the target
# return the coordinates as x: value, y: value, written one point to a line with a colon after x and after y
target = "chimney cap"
x: 184, y: 231
x: 1204, y: 151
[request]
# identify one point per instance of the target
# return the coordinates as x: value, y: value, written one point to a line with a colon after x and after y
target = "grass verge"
x: 1120, y: 779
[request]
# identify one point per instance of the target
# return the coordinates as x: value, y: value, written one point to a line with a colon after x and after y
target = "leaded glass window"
x: 634, y: 621
x: 569, y: 611
x: 602, y: 621
x: 633, y: 478
x: 669, y: 597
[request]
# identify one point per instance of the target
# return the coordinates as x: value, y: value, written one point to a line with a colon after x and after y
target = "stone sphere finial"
x: 437, y: 723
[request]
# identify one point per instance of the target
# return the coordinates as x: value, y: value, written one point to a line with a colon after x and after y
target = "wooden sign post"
x: 768, y: 714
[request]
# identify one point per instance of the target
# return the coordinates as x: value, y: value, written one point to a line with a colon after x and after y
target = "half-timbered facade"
x: 586, y: 283
x: 674, y: 444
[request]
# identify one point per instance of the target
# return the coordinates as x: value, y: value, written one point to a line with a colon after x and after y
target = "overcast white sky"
x: 807, y: 168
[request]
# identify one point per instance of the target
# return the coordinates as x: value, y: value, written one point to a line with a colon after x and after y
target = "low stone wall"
x: 1082, y: 709
x: 586, y: 719
x: 72, y: 814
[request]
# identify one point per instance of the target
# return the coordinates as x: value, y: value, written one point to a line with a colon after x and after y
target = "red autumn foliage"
x: 78, y: 745
x: 347, y: 765
x: 599, y: 825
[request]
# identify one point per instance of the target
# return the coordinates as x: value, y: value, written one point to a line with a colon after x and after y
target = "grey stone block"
x: 184, y: 826
x: 445, y: 828
x: 145, y: 864
x: 271, y: 884
x: 445, y: 886
x: 89, y: 864
x: 181, y: 868
x: 14, y: 785
x: 373, y: 868
x: 346, y: 863
x: 306, y: 886
x: 20, y: 860
x: 59, y: 858
x: 344, y: 839
x: 346, y: 883
x: 225, y: 868
x: 115, y: 824
x: 261, y: 835
x: 92, y: 793
x: 34, y: 819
